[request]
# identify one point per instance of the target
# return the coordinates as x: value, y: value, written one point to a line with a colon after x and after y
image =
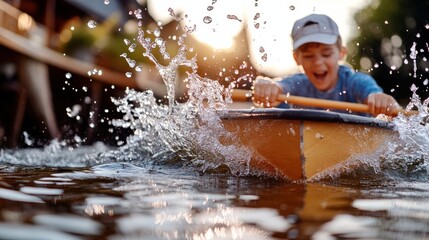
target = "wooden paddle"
x: 246, y: 95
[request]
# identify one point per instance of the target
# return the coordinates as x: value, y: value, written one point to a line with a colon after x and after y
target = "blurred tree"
x: 391, y: 43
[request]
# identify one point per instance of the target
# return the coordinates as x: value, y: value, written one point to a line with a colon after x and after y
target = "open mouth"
x: 320, y: 76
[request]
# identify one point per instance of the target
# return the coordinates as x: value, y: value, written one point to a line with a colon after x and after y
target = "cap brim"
x: 316, y: 38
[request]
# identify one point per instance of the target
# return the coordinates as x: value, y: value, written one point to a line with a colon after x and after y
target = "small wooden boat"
x: 299, y: 144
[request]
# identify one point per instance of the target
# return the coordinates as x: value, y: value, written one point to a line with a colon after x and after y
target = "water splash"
x: 179, y: 133
x: 409, y: 153
x: 175, y: 133
x: 413, y: 55
x: 404, y: 155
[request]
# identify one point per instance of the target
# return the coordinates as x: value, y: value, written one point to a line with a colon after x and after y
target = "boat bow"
x: 300, y: 144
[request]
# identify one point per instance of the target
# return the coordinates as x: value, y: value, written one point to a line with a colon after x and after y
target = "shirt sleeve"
x: 295, y: 85
x: 364, y: 85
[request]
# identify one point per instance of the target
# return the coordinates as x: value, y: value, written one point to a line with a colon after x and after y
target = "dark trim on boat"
x: 303, y: 114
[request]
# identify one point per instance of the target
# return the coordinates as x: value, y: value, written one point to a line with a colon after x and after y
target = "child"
x: 317, y: 48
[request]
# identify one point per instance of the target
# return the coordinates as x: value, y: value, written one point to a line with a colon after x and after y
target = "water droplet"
x: 261, y: 49
x: 213, y: 2
x: 292, y: 7
x: 413, y: 53
x: 128, y: 74
x: 427, y: 26
x: 257, y: 25
x: 74, y: 111
x: 106, y: 2
x: 68, y: 75
x: 171, y: 11
x: 157, y: 32
x: 209, y: 8
x: 159, y: 41
x: 92, y: 24
x: 207, y: 19
x: 257, y: 15
x: 233, y: 17
x: 386, y: 22
x: 131, y: 63
x: 138, y: 13
x: 94, y: 71
x: 425, y: 82
x: 138, y: 68
x: 132, y: 48
x: 27, y: 139
x: 264, y: 57
x: 243, y: 65
x: 127, y: 42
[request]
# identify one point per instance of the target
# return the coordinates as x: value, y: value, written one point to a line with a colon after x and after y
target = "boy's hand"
x: 265, y: 92
x: 381, y: 103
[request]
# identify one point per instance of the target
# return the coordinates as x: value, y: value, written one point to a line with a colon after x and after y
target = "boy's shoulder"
x: 345, y: 72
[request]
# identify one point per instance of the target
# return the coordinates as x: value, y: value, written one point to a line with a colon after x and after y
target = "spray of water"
x: 186, y: 133
x: 175, y: 133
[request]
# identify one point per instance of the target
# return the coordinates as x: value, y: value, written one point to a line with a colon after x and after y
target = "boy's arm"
x: 372, y: 94
x: 381, y: 103
x: 266, y: 91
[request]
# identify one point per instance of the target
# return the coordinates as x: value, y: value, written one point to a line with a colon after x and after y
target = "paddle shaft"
x: 245, y: 95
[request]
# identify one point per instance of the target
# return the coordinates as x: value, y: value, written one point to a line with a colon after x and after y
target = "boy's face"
x: 320, y: 63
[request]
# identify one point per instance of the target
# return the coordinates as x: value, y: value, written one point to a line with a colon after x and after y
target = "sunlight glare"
x: 217, y: 22
x: 267, y: 24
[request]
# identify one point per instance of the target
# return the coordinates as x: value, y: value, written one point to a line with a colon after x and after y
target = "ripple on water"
x: 69, y: 223
x: 24, y: 231
x: 18, y: 196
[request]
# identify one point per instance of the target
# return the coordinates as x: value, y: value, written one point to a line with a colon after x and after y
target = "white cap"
x: 314, y: 28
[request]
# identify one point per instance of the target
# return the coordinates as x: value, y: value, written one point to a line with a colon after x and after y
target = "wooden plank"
x: 327, y: 144
x: 275, y: 144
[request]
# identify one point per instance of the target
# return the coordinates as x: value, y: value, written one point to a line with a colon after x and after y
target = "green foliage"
x: 105, y: 42
x: 386, y: 33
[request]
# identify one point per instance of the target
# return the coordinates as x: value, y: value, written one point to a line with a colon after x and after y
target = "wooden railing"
x: 10, y: 38
x: 14, y: 28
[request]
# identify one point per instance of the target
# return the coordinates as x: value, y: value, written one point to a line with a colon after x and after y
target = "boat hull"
x: 300, y: 144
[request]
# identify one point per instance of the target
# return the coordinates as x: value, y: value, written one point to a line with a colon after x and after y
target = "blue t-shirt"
x: 351, y: 87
